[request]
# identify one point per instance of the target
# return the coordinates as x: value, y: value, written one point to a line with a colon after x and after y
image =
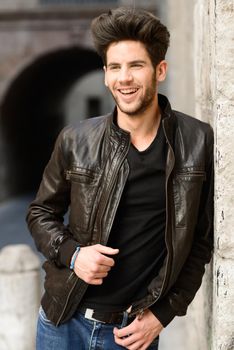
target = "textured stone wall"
x: 223, y: 109
x: 201, y: 60
x: 214, y: 92
x: 214, y: 100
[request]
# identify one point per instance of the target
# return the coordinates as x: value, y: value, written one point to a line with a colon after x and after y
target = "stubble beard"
x: 144, y: 102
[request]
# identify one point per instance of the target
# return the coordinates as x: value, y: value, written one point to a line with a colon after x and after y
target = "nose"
x: 125, y: 75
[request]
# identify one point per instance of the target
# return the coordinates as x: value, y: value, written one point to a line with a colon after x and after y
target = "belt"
x: 104, y: 317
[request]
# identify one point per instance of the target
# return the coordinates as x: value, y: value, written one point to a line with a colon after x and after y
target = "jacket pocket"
x: 187, y: 187
x: 84, y: 189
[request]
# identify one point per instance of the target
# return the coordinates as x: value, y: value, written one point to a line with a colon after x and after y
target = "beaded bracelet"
x: 74, y: 256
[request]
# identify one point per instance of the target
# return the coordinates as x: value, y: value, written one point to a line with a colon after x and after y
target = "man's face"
x: 131, y: 77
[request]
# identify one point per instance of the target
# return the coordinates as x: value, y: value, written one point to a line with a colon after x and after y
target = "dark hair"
x: 130, y: 24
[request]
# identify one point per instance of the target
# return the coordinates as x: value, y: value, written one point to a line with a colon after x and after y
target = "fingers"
x: 106, y: 250
x: 124, y: 332
x: 130, y: 341
x: 100, y: 268
x: 95, y: 281
x: 102, y: 259
x: 92, y: 265
x: 93, y: 275
x: 99, y: 259
x: 140, y: 333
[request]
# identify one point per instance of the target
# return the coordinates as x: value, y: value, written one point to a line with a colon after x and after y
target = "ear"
x: 105, y: 78
x: 161, y: 71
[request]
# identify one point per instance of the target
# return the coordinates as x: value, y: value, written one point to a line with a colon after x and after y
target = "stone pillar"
x: 19, y: 297
x: 208, y: 25
x: 214, y: 30
x: 223, y: 109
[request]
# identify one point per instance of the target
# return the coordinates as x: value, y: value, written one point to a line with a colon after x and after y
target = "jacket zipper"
x: 68, y: 297
x: 140, y: 311
x: 117, y: 204
x: 110, y: 189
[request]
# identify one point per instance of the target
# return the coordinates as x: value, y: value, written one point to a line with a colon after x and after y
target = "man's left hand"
x: 139, y: 334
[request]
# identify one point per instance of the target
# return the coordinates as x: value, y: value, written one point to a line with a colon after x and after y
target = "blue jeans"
x: 78, y: 333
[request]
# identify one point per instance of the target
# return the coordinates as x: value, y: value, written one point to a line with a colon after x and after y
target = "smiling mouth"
x: 129, y: 91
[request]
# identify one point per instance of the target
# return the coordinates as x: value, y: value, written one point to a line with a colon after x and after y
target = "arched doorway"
x: 32, y: 113
x: 88, y: 97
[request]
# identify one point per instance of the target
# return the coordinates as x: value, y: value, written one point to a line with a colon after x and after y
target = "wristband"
x: 74, y: 256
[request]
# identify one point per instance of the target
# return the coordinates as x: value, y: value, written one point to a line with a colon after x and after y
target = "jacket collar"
x: 168, y: 120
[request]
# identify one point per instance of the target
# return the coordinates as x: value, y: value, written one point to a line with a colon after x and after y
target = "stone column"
x: 223, y: 109
x: 214, y: 103
x: 209, y: 53
x: 19, y: 297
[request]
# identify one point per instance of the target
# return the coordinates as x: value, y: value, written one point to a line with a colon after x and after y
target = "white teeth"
x: 128, y: 91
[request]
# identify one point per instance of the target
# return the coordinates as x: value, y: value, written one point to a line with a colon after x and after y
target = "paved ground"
x: 14, y: 230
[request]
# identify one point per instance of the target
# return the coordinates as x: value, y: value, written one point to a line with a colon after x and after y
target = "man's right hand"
x: 92, y: 264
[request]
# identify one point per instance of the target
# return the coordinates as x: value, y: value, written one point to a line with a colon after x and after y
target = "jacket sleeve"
x: 176, y: 301
x: 45, y: 215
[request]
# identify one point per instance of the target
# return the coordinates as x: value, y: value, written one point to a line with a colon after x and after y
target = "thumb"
x: 106, y: 250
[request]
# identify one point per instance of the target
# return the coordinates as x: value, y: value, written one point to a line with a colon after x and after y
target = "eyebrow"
x: 131, y: 62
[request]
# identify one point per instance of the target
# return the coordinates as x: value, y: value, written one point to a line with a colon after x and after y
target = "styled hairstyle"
x: 130, y: 24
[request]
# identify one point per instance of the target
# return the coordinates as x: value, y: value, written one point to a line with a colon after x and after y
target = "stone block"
x: 20, y: 296
x: 223, y: 323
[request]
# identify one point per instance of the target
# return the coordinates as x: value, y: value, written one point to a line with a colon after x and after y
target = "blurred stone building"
x: 51, y: 76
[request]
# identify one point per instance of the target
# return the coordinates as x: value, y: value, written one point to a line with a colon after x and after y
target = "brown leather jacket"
x: 86, y: 176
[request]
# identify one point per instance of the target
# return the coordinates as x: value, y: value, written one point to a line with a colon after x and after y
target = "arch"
x: 89, y: 96
x: 32, y: 113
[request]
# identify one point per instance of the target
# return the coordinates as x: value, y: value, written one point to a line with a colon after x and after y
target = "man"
x: 138, y: 185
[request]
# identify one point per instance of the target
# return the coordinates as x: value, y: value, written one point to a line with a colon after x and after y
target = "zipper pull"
x: 140, y: 314
x: 68, y: 174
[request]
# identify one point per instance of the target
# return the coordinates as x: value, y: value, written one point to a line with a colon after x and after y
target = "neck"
x: 141, y: 126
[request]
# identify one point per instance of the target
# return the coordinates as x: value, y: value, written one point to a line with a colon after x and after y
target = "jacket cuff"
x: 66, y: 250
x: 163, y: 311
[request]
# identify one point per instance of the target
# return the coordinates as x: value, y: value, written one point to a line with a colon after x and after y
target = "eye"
x: 137, y: 65
x: 114, y: 67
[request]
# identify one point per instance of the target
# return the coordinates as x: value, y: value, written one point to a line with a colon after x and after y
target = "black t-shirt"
x: 138, y: 231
